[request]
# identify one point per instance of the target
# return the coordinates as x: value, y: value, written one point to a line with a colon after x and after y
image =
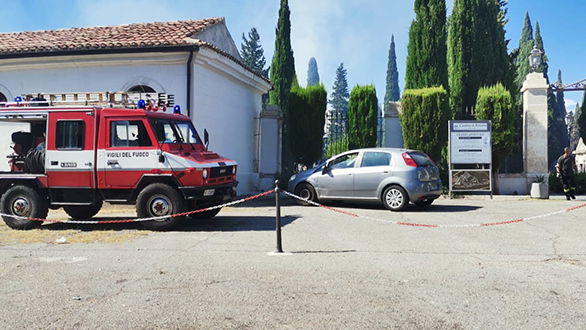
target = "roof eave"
x: 125, y: 50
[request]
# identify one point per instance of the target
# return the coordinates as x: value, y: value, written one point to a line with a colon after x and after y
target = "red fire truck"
x: 79, y: 156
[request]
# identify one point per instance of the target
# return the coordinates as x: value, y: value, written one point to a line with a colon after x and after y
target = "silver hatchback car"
x: 388, y: 175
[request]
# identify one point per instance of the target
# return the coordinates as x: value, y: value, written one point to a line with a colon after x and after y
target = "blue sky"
x: 355, y: 32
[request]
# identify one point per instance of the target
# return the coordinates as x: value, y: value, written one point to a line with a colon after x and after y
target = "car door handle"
x: 112, y: 162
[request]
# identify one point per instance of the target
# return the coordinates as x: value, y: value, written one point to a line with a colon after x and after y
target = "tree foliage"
x: 521, y: 60
x: 426, y: 51
x: 581, y: 119
x: 424, y: 119
x: 496, y: 104
x: 307, y: 107
x: 339, y: 96
x: 338, y: 146
x: 312, y: 73
x: 252, y: 52
x: 283, y: 72
x: 392, y: 92
x: 362, y: 117
x: 477, y: 52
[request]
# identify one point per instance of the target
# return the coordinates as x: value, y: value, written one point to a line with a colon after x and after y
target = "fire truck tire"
x: 26, y: 202
x: 159, y: 199
x: 205, y: 215
x: 83, y: 212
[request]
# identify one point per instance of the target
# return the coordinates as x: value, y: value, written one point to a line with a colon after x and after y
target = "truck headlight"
x: 204, y: 174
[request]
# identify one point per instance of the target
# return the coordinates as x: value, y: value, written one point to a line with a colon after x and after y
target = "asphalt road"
x: 340, y: 272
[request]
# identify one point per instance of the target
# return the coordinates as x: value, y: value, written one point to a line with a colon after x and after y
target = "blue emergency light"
x: 177, y: 109
x: 18, y: 99
x: 141, y: 104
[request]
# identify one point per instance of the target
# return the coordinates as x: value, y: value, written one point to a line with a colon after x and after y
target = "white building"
x: 580, y: 153
x: 195, y: 60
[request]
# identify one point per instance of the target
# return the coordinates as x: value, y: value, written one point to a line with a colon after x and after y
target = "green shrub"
x: 496, y: 104
x: 362, y: 117
x: 424, y: 120
x: 337, y: 146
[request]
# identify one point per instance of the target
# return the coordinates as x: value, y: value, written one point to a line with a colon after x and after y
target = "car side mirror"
x: 325, y: 169
x: 161, y: 158
x: 206, y: 138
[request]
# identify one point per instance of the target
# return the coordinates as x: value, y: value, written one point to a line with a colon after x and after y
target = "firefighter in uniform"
x: 566, y: 169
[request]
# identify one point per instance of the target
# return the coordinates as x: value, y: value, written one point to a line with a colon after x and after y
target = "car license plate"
x: 209, y: 192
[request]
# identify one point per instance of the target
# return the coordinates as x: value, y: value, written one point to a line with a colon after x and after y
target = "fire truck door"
x: 129, y: 154
x: 69, y: 158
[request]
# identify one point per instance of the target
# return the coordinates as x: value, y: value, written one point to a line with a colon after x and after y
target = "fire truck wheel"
x: 157, y: 200
x: 205, y: 214
x: 25, y: 202
x: 83, y: 212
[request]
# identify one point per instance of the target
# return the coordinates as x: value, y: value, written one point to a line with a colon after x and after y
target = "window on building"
x: 69, y: 134
x: 129, y: 133
x: 376, y: 159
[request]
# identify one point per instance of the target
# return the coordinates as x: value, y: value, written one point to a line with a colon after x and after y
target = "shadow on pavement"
x: 320, y: 251
x: 410, y: 208
x: 218, y: 223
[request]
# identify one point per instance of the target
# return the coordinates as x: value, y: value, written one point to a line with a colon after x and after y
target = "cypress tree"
x: 307, y: 107
x: 283, y: 72
x: 312, y: 73
x: 252, y: 52
x: 526, y: 44
x: 426, y: 51
x: 362, y: 117
x: 392, y: 92
x: 477, y: 52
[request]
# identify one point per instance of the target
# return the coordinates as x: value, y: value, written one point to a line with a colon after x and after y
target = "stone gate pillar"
x: 391, y: 126
x: 534, y: 126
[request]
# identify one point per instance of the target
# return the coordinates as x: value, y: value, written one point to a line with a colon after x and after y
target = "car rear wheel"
x: 305, y: 191
x: 158, y: 200
x: 424, y: 203
x: 395, y: 198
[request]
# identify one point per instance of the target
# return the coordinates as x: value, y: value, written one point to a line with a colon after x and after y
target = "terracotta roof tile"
x: 144, y: 35
x: 155, y: 34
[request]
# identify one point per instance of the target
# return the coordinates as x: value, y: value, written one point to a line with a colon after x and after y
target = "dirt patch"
x: 63, y: 233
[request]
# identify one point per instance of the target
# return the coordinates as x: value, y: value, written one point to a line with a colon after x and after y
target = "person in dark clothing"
x: 566, y: 169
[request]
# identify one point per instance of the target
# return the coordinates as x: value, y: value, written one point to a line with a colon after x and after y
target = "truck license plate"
x: 209, y: 192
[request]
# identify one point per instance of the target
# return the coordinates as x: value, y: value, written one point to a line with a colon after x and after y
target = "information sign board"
x: 470, y: 142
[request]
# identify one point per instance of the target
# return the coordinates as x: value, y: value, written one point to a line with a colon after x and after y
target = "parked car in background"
x: 393, y: 177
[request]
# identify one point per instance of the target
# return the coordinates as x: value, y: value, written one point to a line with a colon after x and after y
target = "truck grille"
x: 221, y: 171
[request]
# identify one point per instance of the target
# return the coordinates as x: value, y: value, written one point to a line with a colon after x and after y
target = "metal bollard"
x: 278, y: 218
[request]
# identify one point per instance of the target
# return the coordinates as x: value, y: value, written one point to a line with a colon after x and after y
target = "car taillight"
x: 408, y: 160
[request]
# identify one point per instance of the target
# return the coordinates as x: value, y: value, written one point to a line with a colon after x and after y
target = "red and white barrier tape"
x: 402, y: 223
x: 142, y: 219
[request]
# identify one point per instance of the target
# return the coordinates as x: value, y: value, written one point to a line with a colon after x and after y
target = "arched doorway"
x: 141, y: 89
x: 3, y: 98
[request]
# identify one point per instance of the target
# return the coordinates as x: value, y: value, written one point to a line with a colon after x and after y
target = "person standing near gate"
x: 566, y: 169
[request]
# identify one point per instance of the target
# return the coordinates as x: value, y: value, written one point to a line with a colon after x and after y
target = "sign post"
x: 470, y: 161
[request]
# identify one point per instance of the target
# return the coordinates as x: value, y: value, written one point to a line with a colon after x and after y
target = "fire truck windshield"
x: 175, y: 131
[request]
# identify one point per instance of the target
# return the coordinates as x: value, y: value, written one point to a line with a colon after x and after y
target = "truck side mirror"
x: 206, y: 138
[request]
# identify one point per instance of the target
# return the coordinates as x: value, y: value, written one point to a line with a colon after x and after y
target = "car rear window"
x: 421, y: 159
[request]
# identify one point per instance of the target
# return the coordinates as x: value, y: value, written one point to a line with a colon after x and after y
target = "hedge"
x: 424, y: 120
